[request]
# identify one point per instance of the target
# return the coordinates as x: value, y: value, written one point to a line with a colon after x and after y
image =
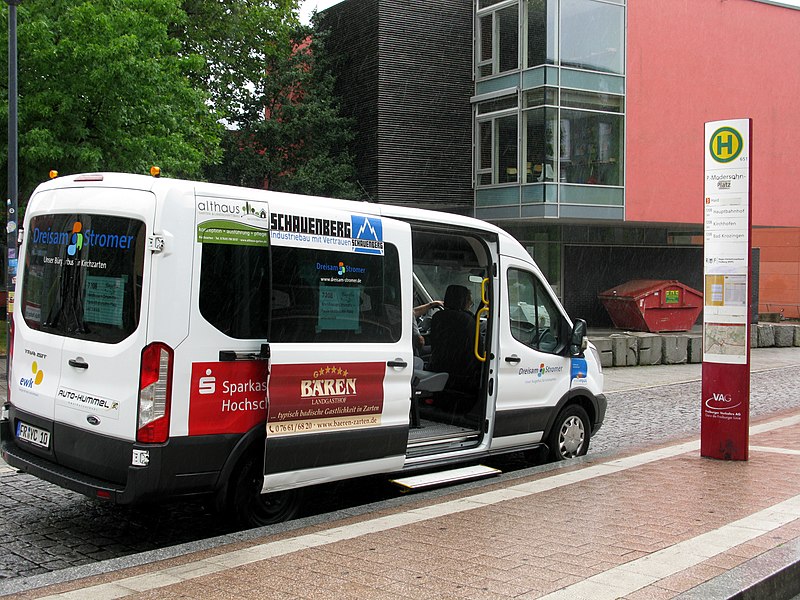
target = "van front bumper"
x: 600, y: 404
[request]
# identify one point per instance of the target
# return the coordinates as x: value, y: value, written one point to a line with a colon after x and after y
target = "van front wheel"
x: 250, y: 507
x: 570, y: 434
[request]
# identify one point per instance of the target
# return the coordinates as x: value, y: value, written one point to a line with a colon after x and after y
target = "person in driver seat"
x: 453, y: 341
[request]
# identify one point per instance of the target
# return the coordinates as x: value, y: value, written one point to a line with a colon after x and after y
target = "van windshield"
x: 83, y: 276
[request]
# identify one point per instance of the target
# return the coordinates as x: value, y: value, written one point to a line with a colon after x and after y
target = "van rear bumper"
x: 182, y: 466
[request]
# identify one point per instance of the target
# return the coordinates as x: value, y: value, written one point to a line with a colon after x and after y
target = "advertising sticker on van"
x: 235, y: 222
x: 86, y: 402
x: 317, y: 398
x: 362, y: 234
x: 227, y: 397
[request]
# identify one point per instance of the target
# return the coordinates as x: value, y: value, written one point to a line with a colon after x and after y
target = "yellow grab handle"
x: 483, y: 309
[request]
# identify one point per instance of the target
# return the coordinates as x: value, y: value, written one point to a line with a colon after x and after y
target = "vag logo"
x: 720, y: 401
x: 38, y: 376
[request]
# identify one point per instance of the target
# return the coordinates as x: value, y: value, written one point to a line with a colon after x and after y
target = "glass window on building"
x: 540, y: 32
x: 498, y: 40
x: 591, y: 147
x: 592, y: 34
x: 497, y: 150
x: 540, y: 144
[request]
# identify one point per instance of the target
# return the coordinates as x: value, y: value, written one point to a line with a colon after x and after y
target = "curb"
x: 775, y: 574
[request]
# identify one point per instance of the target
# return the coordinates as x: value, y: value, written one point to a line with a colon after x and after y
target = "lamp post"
x: 12, y: 201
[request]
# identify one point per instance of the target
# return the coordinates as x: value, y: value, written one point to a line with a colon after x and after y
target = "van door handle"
x: 513, y: 359
x: 398, y: 363
x: 78, y: 363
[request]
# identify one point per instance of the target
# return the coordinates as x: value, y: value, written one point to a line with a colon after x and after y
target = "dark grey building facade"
x: 408, y: 88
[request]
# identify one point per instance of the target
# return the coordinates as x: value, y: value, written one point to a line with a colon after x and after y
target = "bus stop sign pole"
x: 725, y: 414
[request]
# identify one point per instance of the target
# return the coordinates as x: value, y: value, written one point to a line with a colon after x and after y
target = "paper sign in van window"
x: 104, y: 300
x: 338, y: 308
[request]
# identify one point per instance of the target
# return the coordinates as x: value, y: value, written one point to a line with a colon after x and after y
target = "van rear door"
x: 84, y: 291
x: 342, y: 358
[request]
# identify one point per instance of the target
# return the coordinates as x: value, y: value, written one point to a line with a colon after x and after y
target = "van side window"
x: 83, y: 276
x: 234, y: 289
x: 535, y: 320
x: 336, y: 297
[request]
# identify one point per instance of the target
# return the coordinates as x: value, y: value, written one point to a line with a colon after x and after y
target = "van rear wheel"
x: 570, y: 434
x: 250, y: 507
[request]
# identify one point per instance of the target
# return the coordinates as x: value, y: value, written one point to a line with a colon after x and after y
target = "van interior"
x: 450, y: 380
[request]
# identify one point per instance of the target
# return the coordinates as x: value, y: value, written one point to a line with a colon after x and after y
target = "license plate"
x: 34, y: 435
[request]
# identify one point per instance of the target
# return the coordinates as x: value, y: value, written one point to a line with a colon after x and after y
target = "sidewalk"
x: 651, y: 524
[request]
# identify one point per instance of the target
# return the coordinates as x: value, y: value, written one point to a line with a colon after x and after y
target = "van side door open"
x: 340, y: 381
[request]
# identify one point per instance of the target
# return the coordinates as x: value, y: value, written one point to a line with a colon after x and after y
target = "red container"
x: 653, y: 305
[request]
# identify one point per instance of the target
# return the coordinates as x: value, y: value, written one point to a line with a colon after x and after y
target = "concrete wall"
x: 630, y: 349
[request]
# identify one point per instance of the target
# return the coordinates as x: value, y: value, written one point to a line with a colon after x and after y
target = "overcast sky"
x: 307, y: 7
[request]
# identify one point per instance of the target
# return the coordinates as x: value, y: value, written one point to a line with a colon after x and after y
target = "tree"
x: 103, y: 86
x: 291, y: 137
x: 237, y: 39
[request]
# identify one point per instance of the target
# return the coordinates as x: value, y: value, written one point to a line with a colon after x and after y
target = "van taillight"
x: 155, y: 392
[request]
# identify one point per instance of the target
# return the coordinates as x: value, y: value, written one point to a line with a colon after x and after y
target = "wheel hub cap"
x: 572, y: 436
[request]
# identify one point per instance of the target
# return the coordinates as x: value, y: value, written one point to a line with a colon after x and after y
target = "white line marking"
x: 627, y: 578
x: 788, y: 451
x: 637, y: 573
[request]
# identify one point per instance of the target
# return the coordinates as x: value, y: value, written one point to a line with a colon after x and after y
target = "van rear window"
x: 83, y: 276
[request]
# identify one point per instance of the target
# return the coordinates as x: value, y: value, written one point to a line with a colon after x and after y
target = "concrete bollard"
x: 784, y: 335
x: 675, y: 349
x: 604, y: 348
x: 797, y: 336
x: 694, y: 352
x: 754, y: 335
x: 650, y: 348
x: 766, y: 335
x: 623, y: 349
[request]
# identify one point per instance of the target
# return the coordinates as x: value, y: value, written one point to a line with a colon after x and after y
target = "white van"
x: 179, y: 338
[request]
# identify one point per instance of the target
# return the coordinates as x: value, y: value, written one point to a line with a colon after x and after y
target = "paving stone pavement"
x: 650, y: 524
x: 54, y: 536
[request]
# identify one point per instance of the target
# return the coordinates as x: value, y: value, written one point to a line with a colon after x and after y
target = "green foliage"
x: 292, y: 137
x: 237, y: 38
x: 120, y: 85
x: 103, y: 86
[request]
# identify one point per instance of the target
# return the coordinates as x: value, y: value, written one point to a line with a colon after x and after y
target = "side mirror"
x: 577, y: 341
